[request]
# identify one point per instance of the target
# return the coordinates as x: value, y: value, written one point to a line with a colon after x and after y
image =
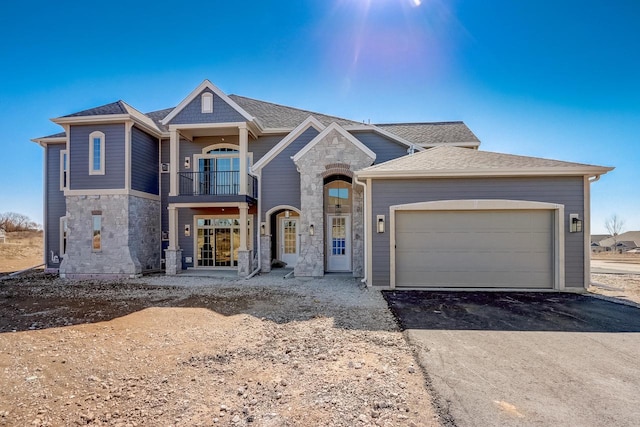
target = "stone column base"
x: 173, y: 261
x: 244, y: 263
x: 265, y: 254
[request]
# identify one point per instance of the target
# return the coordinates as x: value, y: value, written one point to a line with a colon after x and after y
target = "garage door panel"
x: 481, y: 279
x: 474, y: 249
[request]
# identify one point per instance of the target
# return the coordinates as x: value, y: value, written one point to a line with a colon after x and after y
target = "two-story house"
x: 227, y: 182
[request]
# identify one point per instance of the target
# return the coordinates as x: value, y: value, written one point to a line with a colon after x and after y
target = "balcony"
x: 214, y: 186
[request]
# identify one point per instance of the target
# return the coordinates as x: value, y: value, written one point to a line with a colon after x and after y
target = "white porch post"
x: 244, y: 143
x: 174, y: 150
x: 173, y: 254
x: 244, y: 255
x: 244, y: 210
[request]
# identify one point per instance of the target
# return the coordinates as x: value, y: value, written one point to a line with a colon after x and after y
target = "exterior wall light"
x: 575, y: 223
x: 312, y: 230
x: 263, y: 229
x: 287, y: 214
x: 187, y: 230
x: 380, y: 222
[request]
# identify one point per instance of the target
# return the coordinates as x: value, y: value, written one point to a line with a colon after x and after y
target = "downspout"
x: 257, y: 225
x: 364, y: 235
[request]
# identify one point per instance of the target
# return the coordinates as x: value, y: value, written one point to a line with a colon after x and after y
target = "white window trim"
x: 205, y: 150
x: 92, y: 136
x: 64, y: 153
x: 63, y: 220
x: 194, y: 234
x: 206, y: 102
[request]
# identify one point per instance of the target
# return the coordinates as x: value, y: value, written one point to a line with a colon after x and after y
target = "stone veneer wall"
x: 129, y: 237
x: 334, y: 148
x: 144, y: 232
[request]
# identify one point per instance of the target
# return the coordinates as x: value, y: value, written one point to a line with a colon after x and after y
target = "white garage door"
x: 474, y: 249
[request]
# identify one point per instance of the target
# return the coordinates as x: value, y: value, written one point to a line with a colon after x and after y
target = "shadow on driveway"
x: 510, y: 311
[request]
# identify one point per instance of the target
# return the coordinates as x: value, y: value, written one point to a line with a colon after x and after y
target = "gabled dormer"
x: 207, y: 104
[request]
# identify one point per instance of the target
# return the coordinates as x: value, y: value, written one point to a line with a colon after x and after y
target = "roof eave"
x: 589, y: 172
x: 111, y: 118
x: 46, y: 141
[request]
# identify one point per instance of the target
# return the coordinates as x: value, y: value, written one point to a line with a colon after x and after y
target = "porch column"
x: 174, y: 150
x: 244, y: 255
x: 244, y: 210
x: 173, y: 254
x: 244, y: 143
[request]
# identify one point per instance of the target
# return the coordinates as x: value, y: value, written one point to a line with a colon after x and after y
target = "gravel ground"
x: 624, y: 287
x: 194, y: 351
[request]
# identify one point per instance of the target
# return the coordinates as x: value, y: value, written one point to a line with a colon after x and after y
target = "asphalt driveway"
x: 525, y: 359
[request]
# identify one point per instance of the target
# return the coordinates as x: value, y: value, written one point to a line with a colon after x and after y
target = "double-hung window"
x: 96, y: 153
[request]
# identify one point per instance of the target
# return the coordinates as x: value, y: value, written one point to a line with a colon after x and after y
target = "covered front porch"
x: 211, y: 236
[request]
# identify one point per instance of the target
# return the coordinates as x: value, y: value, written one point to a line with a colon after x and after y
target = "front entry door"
x: 338, y: 243
x: 289, y: 241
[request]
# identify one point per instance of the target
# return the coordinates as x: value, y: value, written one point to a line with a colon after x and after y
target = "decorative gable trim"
x: 206, y: 84
x: 334, y: 126
x: 292, y: 136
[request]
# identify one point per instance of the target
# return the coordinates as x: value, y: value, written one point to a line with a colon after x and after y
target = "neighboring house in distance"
x: 595, y: 243
x: 228, y: 182
x: 623, y: 242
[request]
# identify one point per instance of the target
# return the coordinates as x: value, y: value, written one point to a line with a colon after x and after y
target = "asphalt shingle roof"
x: 431, y: 133
x: 279, y: 116
x: 629, y: 236
x: 117, y: 107
x: 449, y: 158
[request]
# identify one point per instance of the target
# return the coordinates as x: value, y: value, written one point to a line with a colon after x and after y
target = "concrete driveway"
x: 525, y: 359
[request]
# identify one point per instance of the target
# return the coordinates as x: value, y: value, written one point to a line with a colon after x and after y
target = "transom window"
x: 96, y: 153
x: 337, y: 197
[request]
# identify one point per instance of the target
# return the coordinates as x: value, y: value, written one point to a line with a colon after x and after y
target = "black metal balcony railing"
x: 220, y: 183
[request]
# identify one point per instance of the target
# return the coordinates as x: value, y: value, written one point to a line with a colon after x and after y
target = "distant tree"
x: 12, y: 221
x: 615, y: 226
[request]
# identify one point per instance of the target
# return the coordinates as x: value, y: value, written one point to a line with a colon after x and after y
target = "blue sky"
x: 539, y: 78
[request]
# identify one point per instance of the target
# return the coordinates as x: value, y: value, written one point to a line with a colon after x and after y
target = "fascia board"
x: 292, y: 136
x: 108, y: 118
x: 206, y: 84
x: 46, y: 141
x: 486, y: 173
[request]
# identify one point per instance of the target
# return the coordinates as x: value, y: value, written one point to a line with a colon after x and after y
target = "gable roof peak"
x: 206, y: 84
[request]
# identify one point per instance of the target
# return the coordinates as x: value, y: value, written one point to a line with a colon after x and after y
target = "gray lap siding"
x: 280, y: 178
x: 568, y: 191
x: 144, y: 162
x: 114, y: 176
x: 55, y: 202
x: 222, y: 112
x: 384, y: 148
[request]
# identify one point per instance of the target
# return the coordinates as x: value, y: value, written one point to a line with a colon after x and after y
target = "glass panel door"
x: 223, y: 247
x: 205, y: 248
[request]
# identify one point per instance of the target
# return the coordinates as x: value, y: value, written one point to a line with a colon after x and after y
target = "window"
x: 96, y: 153
x: 96, y: 242
x: 64, y: 170
x: 64, y: 230
x: 207, y: 102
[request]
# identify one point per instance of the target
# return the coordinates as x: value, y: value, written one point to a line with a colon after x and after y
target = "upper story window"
x: 64, y: 170
x: 207, y: 102
x: 96, y: 153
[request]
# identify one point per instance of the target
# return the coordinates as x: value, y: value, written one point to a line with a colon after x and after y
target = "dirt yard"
x: 264, y: 352
x: 620, y: 286
x: 21, y: 250
x: 626, y: 258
